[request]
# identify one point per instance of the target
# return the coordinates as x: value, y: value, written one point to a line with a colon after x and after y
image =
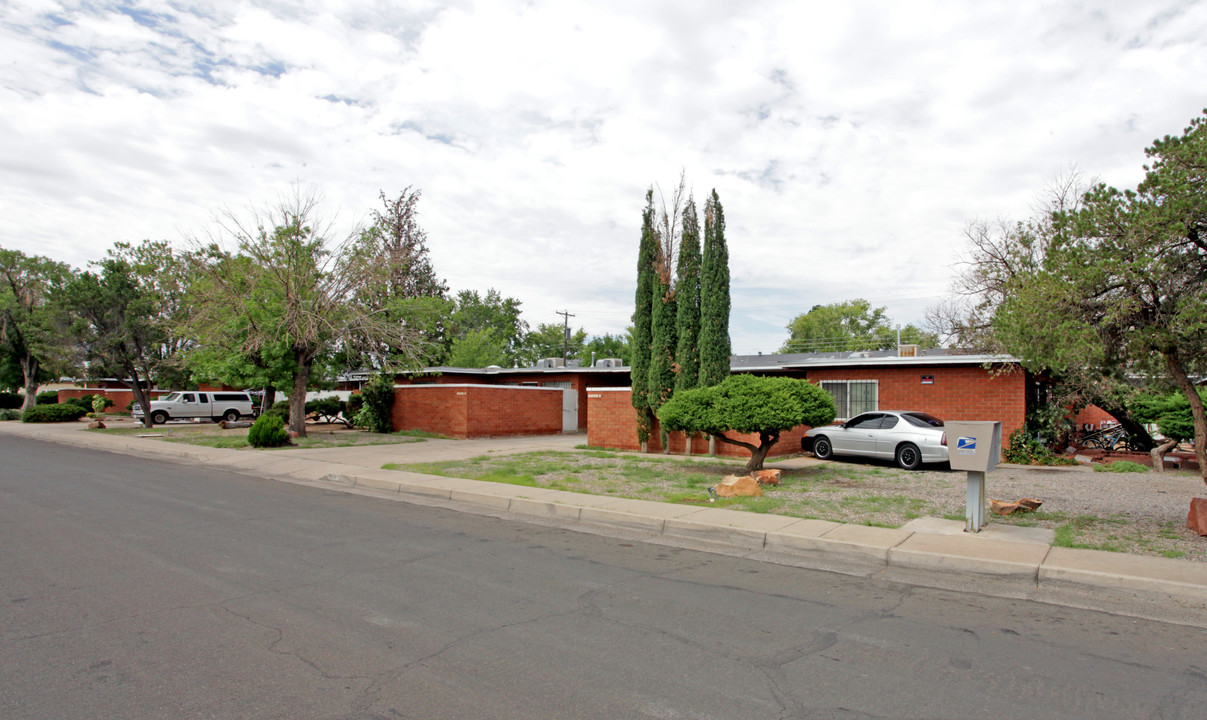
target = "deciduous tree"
x: 1124, y: 280
x: 32, y: 330
x: 290, y: 283
x: 119, y: 324
x: 850, y: 325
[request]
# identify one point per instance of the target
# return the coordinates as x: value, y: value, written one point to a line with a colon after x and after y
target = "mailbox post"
x: 974, y: 446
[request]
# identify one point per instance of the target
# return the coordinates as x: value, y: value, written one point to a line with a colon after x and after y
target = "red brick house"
x: 467, y: 402
x: 947, y: 385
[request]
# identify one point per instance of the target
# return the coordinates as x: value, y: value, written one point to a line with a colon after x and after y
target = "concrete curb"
x: 1155, y: 588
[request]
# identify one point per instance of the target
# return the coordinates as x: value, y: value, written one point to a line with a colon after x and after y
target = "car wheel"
x: 159, y: 417
x: 230, y: 415
x: 908, y: 456
x: 821, y: 448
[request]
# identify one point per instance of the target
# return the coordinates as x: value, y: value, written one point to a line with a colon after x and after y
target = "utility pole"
x: 566, y: 333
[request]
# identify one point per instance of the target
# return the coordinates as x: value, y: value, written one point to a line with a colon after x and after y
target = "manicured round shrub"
x: 10, y: 414
x: 268, y: 431
x: 50, y: 397
x: 11, y: 401
x: 66, y: 412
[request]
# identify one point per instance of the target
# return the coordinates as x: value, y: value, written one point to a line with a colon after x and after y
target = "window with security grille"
x: 852, y: 397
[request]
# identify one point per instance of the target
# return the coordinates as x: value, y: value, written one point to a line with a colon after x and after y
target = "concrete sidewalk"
x: 1001, y: 560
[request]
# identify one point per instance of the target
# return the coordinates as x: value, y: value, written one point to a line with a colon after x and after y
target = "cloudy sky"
x: 850, y: 142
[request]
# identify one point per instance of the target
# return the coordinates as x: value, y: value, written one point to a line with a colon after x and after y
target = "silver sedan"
x: 907, y: 438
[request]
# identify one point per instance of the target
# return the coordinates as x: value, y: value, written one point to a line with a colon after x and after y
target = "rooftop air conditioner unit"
x: 609, y: 363
x: 551, y: 363
x: 908, y: 350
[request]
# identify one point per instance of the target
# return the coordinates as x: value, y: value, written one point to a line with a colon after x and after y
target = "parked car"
x: 226, y: 405
x: 907, y: 438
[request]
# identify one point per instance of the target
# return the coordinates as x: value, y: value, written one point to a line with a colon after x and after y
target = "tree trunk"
x: 687, y: 444
x: 1140, y: 439
x: 141, y: 396
x: 712, y: 445
x: 270, y: 397
x: 1158, y: 455
x: 1196, y: 409
x: 29, y: 369
x: 297, y: 397
x: 759, y: 454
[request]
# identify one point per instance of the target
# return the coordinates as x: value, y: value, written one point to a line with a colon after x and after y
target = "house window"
x: 852, y: 397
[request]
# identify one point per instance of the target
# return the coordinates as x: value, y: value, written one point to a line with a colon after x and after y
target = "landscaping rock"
x: 739, y: 486
x: 96, y: 425
x: 1197, y: 518
x: 767, y: 477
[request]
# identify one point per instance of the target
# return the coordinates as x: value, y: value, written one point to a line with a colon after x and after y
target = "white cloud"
x: 849, y: 142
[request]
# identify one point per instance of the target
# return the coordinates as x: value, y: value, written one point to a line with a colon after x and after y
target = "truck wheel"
x: 230, y: 415
x: 159, y: 417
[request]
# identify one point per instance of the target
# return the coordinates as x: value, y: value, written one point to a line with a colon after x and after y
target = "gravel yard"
x: 1141, y: 513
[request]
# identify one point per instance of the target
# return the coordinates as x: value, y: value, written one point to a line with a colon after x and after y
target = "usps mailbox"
x: 974, y: 446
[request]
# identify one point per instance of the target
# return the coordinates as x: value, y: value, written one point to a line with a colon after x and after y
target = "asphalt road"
x: 132, y: 588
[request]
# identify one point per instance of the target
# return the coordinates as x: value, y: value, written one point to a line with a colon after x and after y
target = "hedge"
x: 66, y: 412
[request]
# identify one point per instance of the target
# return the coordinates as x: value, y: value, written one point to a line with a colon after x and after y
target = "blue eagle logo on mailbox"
x: 965, y: 445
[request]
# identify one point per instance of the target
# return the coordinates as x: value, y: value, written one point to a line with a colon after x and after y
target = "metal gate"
x: 569, y: 411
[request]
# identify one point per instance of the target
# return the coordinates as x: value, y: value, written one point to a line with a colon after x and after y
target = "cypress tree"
x: 647, y: 281
x: 687, y: 295
x: 714, y: 297
x: 662, y: 352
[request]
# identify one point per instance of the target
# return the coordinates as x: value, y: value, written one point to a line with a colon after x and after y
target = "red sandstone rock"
x: 1197, y: 518
x: 734, y: 486
x: 767, y: 477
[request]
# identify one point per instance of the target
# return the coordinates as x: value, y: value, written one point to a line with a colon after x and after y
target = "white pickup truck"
x: 226, y: 405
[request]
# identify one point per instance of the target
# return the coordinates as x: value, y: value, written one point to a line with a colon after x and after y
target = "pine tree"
x: 687, y: 296
x: 714, y: 297
x: 647, y: 281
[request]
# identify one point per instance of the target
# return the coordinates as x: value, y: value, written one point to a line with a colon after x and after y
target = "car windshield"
x: 922, y: 419
x: 171, y: 397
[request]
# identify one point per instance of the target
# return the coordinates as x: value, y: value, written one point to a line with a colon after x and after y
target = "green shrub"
x: 1023, y: 449
x: 86, y: 402
x: 355, y: 404
x: 11, y: 401
x: 66, y: 412
x: 279, y: 409
x: 326, y: 408
x: 50, y: 397
x: 378, y: 397
x: 10, y: 414
x: 268, y: 431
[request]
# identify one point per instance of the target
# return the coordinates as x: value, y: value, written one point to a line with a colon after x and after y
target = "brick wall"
x: 950, y: 393
x: 121, y: 398
x: 1094, y: 417
x: 612, y: 423
x: 953, y: 393
x: 465, y: 411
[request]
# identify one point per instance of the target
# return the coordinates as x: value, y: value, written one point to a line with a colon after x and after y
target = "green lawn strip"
x: 213, y: 436
x: 830, y: 492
